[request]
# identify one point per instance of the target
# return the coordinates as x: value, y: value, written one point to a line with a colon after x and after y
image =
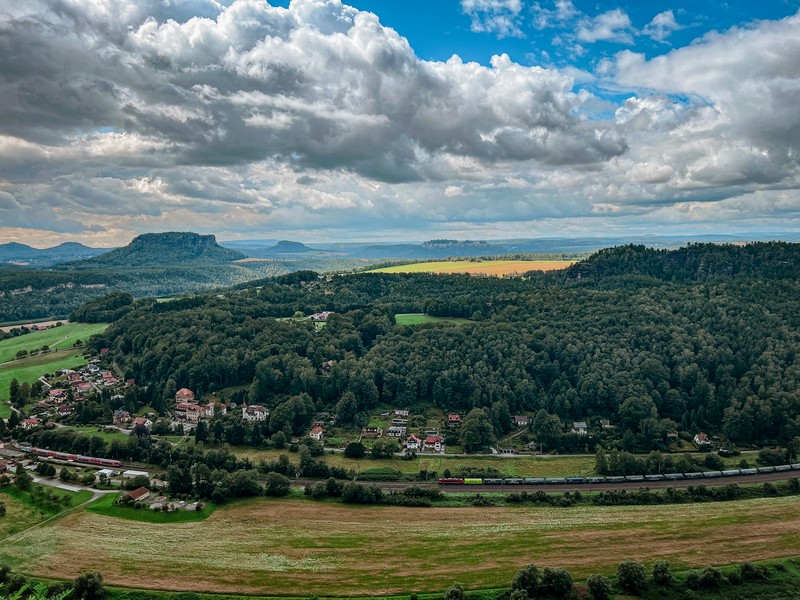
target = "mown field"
x: 300, y: 547
x: 487, y: 267
x: 56, y: 337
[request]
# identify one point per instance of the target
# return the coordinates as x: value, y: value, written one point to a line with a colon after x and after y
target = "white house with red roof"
x: 316, y: 433
x: 413, y: 442
x: 184, y: 395
x: 30, y: 423
x: 433, y: 443
x: 701, y: 439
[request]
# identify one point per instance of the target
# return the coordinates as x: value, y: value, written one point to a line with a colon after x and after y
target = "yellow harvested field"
x: 487, y: 267
x: 291, y: 547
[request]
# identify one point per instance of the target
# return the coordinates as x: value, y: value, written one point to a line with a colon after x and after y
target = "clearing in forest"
x: 486, y: 267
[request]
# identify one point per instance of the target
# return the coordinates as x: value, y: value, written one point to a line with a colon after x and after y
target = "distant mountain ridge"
x: 16, y: 253
x: 160, y: 249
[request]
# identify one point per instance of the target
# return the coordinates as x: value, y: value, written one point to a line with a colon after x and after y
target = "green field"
x: 418, y: 318
x: 94, y: 431
x: 31, y: 368
x: 299, y: 547
x: 55, y: 337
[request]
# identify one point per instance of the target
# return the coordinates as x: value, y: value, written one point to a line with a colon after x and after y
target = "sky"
x: 384, y: 120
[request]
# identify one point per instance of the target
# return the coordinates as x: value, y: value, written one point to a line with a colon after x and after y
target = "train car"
x: 658, y: 477
x: 555, y: 480
x: 673, y: 476
x: 596, y: 480
x: 615, y: 479
x: 108, y: 462
x: 731, y: 473
x: 473, y: 481
x: 766, y: 469
x: 795, y: 466
x: 712, y: 474
x: 634, y: 477
x: 576, y: 479
x: 513, y: 481
x: 693, y: 475
x: 783, y: 468
x: 493, y: 481
x: 751, y: 471
x: 451, y: 481
x: 534, y: 480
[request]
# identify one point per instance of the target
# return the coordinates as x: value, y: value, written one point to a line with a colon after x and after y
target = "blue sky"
x: 326, y: 120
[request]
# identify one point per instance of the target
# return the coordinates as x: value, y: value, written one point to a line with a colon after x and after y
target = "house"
x: 395, y: 431
x: 108, y: 378
x: 521, y: 420
x: 316, y: 433
x: 372, y: 432
x: 3, y: 466
x: 194, y: 412
x: 433, y: 443
x: 321, y: 316
x: 580, y: 427
x: 606, y: 424
x: 701, y: 439
x: 454, y: 420
x: 412, y: 442
x: 142, y: 422
x: 121, y: 417
x: 131, y: 474
x: 129, y: 382
x: 83, y: 387
x: 103, y: 351
x: 30, y: 423
x: 401, y: 422
x: 57, y: 395
x: 74, y: 377
x: 327, y: 366
x: 401, y: 412
x: 254, y: 412
x: 139, y: 494
x: 64, y: 410
x: 184, y: 395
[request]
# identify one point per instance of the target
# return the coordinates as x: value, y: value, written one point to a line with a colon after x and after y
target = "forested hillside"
x: 642, y: 339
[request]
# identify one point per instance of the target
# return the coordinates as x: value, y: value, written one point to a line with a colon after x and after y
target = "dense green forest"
x: 703, y: 338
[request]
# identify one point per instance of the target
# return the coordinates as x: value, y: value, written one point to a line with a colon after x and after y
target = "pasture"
x: 55, y: 337
x: 486, y: 267
x: 419, y: 318
x: 291, y: 547
x: 31, y: 368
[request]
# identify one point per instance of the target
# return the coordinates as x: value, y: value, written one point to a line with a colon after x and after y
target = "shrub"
x: 556, y: 582
x: 89, y: 586
x: 693, y: 580
x: 333, y: 487
x: 454, y: 592
x: 599, y: 587
x: 631, y: 577
x: 661, y: 574
x: 277, y: 484
x: 750, y: 572
x: 527, y: 579
x: 711, y: 578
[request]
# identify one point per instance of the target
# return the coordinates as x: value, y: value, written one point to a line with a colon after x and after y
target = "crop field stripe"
x: 279, y: 547
x: 488, y: 267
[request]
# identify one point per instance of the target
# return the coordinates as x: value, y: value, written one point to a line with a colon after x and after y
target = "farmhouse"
x: 139, y: 494
x: 64, y: 410
x: 184, y: 395
x: 454, y: 420
x: 401, y: 412
x: 521, y: 420
x: 121, y: 417
x: 701, y: 439
x: 412, y: 443
x: 372, y: 432
x: 83, y: 387
x: 395, y: 431
x: 30, y: 423
x: 316, y: 433
x: 321, y: 316
x: 57, y: 395
x: 142, y: 422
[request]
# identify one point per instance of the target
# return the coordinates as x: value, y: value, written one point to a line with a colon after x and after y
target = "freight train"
x: 78, y: 458
x: 614, y: 479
